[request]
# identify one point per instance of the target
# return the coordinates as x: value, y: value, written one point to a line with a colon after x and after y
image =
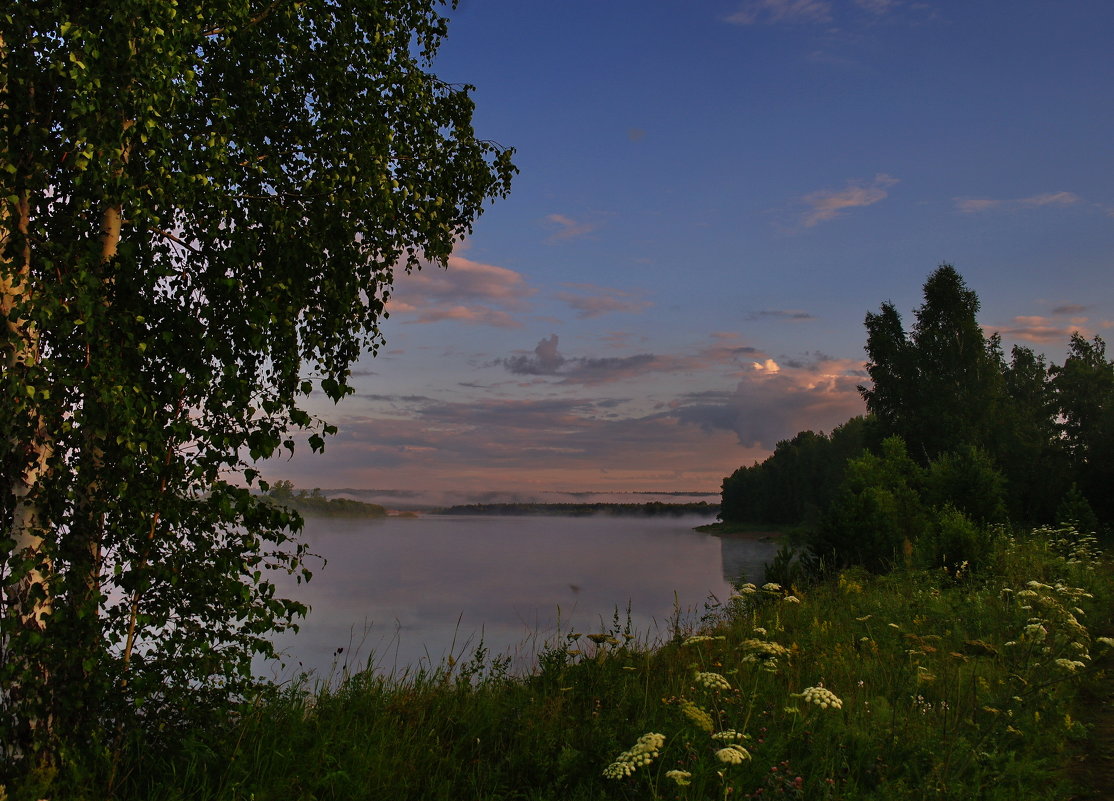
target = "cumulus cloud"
x: 975, y: 205
x: 829, y: 204
x: 568, y: 228
x: 546, y: 360
x: 468, y: 291
x: 775, y: 401
x: 594, y: 301
x: 773, y: 12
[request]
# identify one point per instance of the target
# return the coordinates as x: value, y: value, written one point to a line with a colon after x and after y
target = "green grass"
x: 949, y: 684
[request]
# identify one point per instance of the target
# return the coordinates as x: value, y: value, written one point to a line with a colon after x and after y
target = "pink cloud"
x: 827, y: 204
x: 468, y: 291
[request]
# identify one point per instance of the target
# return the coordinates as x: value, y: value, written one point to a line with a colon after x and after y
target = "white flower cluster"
x: 771, y: 587
x: 680, y: 776
x: 1070, y: 665
x: 642, y: 753
x: 1034, y: 632
x: 1107, y: 641
x: 729, y: 735
x: 822, y: 697
x: 793, y: 599
x: 697, y: 715
x: 713, y: 681
x: 732, y: 754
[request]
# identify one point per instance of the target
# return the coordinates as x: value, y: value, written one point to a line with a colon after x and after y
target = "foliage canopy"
x: 202, y: 209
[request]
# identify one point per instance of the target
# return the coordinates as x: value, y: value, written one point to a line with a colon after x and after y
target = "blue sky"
x: 712, y: 196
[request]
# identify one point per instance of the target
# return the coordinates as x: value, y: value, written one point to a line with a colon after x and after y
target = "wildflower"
x: 822, y: 697
x: 713, y: 681
x: 864, y: 618
x: 732, y: 754
x: 697, y: 715
x: 893, y: 625
x: 642, y: 753
x: 680, y: 776
x: 771, y: 587
x: 729, y: 735
x: 1070, y: 665
x: 1107, y: 641
x: 748, y: 589
x: 793, y: 599
x: 763, y: 649
x: 760, y: 631
x: 1034, y: 632
x: 697, y: 638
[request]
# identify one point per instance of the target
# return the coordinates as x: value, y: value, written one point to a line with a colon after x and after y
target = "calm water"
x: 402, y: 592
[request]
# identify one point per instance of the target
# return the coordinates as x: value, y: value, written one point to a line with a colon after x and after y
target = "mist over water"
x: 400, y: 593
x: 406, y: 500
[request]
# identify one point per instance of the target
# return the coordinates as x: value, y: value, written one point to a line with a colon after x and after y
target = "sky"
x: 713, y: 194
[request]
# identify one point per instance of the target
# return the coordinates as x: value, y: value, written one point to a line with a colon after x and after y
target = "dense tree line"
x: 797, y: 481
x: 957, y: 435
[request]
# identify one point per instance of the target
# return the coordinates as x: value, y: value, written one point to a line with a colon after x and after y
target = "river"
x: 398, y: 594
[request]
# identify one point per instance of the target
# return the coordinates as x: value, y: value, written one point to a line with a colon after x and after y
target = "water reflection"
x: 400, y: 593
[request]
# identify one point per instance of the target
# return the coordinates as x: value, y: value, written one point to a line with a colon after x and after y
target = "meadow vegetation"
x: 948, y: 683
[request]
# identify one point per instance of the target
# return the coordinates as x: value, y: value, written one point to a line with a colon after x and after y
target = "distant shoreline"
x: 651, y: 509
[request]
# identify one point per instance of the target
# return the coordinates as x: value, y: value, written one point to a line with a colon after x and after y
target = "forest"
x: 957, y: 439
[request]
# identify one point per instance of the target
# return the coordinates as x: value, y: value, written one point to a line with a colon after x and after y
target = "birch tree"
x: 203, y: 207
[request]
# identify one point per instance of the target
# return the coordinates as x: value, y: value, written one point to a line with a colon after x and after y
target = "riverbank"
x: 941, y: 683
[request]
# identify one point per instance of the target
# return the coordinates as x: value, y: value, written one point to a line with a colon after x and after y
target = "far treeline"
x: 650, y: 509
x: 957, y: 439
x: 315, y: 504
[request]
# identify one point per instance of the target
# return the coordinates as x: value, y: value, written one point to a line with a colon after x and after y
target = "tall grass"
x: 916, y: 684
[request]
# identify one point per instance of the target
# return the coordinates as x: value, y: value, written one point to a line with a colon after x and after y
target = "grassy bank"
x: 903, y: 686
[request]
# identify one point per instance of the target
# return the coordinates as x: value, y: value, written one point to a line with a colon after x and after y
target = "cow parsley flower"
x: 713, y: 681
x: 642, y: 753
x: 822, y: 697
x: 1070, y: 665
x: 697, y: 715
x: 732, y: 754
x: 680, y: 776
x: 729, y: 735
